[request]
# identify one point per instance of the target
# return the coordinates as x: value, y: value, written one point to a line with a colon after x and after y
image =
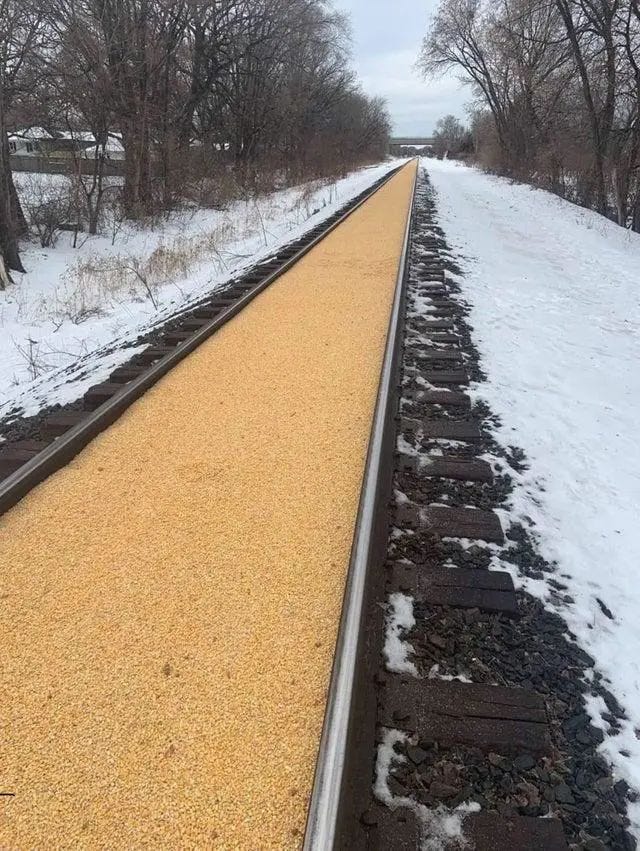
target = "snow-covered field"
x: 555, y: 297
x: 63, y: 323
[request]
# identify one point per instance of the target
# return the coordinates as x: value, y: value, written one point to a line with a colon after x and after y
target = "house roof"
x: 113, y: 145
x: 32, y: 134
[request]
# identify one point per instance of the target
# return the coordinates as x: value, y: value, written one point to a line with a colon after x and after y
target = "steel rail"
x: 323, y: 812
x: 62, y: 450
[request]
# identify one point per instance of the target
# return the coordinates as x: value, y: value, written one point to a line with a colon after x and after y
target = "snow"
x: 441, y: 827
x: 554, y: 295
x: 64, y: 323
x: 434, y: 674
x: 399, y: 620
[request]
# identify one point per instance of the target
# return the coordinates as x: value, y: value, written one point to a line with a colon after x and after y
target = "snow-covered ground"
x: 555, y: 297
x: 63, y: 323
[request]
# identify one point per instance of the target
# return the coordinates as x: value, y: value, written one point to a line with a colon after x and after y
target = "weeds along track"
x: 171, y: 595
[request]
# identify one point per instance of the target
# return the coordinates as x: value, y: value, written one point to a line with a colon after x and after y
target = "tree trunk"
x: 635, y: 218
x: 599, y: 135
x: 11, y: 217
x: 620, y: 195
x: 136, y: 191
x: 8, y: 238
x: 20, y: 222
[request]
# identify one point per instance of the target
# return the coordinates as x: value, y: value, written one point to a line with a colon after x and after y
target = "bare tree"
x: 257, y: 89
x: 20, y: 38
x: 449, y: 136
x: 560, y: 80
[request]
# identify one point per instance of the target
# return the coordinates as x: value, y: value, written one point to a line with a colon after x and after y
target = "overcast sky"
x: 386, y: 41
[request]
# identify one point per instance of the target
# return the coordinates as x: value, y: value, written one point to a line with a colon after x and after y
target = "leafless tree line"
x: 251, y: 87
x: 557, y: 87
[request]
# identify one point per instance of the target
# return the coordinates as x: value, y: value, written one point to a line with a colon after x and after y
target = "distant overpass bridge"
x: 411, y: 141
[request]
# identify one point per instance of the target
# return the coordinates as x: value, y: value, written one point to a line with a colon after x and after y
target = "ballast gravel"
x: 169, y: 601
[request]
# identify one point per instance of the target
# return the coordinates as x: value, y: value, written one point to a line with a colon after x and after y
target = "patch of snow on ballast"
x: 440, y: 828
x: 400, y: 619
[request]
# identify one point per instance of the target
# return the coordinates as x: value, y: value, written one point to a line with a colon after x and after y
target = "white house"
x: 27, y: 142
x: 38, y: 142
x: 84, y: 142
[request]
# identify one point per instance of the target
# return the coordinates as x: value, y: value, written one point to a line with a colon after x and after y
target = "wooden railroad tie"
x: 459, y: 587
x: 450, y: 398
x: 495, y: 719
x: 56, y: 424
x: 399, y: 829
x: 431, y: 354
x: 447, y: 467
x: 444, y: 429
x: 446, y: 376
x: 14, y: 455
x: 452, y: 522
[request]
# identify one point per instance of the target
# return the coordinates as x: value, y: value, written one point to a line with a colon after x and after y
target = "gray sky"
x: 386, y: 40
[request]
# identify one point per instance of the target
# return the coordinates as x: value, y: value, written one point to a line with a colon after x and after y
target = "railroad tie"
x: 153, y: 354
x: 495, y: 719
x: 193, y: 324
x: 445, y: 522
x: 399, y: 829
x: 433, y: 272
x: 431, y: 354
x: 206, y: 312
x: 437, y: 324
x: 99, y: 394
x: 56, y: 424
x: 501, y: 833
x: 253, y: 278
x: 395, y: 829
x: 444, y: 312
x: 449, y: 398
x: 177, y: 336
x: 434, y: 275
x: 446, y: 467
x: 444, y: 429
x: 443, y: 337
x: 14, y: 455
x: 432, y: 289
x: 125, y: 374
x: 459, y: 587
x: 446, y: 376
x: 442, y: 304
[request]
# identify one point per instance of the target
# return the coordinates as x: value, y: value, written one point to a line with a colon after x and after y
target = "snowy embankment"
x: 554, y: 292
x: 64, y: 323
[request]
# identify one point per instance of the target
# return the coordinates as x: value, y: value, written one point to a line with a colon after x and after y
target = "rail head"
x: 324, y: 807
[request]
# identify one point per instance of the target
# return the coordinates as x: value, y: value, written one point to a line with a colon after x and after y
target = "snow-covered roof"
x: 114, y: 143
x: 77, y: 135
x: 32, y: 134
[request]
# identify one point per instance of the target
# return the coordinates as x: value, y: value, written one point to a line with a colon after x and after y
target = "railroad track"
x: 26, y: 463
x: 452, y: 702
x: 456, y: 715
x: 170, y: 597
